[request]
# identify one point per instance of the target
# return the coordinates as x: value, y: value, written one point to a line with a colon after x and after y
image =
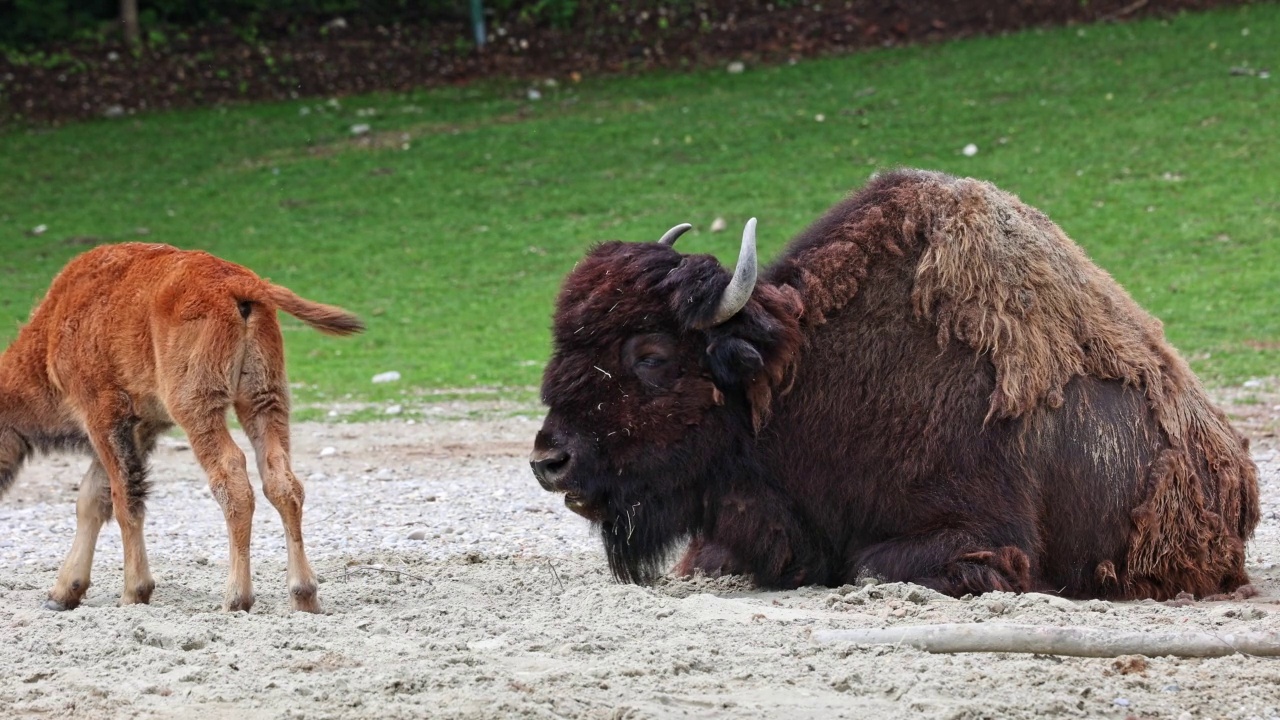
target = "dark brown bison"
x: 931, y: 384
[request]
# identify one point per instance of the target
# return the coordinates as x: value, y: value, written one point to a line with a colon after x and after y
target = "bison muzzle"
x: 932, y: 384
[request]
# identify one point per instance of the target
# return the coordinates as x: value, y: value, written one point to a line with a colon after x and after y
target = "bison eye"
x: 650, y: 357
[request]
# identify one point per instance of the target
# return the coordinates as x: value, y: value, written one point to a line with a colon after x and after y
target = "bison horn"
x: 735, y: 296
x: 670, y: 236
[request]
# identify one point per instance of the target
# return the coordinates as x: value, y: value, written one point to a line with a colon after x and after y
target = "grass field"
x: 451, y: 224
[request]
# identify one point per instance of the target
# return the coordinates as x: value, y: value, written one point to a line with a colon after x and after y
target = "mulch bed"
x: 213, y: 65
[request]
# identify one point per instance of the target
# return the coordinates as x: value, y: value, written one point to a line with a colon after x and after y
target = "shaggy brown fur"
x: 937, y: 385
x: 129, y: 340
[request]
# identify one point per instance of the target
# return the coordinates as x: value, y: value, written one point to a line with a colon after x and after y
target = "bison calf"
x: 129, y: 340
x: 931, y: 384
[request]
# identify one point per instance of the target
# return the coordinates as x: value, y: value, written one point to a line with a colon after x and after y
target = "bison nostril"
x: 549, y: 466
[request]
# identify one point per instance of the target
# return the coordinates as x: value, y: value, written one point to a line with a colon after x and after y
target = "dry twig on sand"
x: 1077, y: 641
x: 350, y: 570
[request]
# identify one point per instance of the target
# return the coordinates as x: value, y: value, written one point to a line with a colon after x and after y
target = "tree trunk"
x: 129, y: 20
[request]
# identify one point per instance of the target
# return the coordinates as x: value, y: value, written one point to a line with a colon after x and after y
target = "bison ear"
x: 733, y: 361
x: 756, y: 351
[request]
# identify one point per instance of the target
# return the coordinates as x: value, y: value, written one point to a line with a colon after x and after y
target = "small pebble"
x: 329, y: 451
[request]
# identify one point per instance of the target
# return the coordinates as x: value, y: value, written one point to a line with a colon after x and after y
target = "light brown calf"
x: 129, y: 340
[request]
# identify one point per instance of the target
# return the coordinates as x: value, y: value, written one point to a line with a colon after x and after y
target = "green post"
x: 477, y: 21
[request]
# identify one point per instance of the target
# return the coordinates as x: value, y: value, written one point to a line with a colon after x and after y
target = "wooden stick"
x: 1077, y: 641
x: 350, y: 570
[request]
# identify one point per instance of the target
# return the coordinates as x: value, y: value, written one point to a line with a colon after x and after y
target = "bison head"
x: 662, y: 371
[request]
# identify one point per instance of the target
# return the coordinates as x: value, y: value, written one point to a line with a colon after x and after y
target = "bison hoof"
x: 708, y: 558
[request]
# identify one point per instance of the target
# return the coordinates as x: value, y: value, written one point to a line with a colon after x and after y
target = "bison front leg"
x: 755, y: 534
x: 709, y: 558
x: 951, y: 562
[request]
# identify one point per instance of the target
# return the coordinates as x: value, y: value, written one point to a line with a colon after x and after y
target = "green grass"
x: 1136, y: 138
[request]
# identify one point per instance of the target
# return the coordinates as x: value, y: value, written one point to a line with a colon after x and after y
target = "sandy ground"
x: 455, y: 587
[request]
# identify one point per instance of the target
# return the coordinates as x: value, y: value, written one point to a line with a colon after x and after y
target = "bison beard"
x: 649, y: 511
x: 931, y: 384
x: 640, y: 529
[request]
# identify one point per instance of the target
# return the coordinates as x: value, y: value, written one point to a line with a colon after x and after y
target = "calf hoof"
x: 68, y: 598
x: 140, y: 595
x: 238, y: 603
x: 303, y: 598
x: 59, y: 605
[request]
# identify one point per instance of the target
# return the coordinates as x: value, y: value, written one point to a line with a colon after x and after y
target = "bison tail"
x: 327, y: 319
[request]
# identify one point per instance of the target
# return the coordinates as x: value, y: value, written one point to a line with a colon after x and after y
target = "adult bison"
x: 932, y: 384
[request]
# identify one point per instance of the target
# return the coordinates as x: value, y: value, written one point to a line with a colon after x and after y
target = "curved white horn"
x: 670, y: 236
x: 735, y: 296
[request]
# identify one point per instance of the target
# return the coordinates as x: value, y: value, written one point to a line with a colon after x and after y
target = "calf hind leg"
x: 951, y: 562
x: 224, y: 463
x: 266, y: 422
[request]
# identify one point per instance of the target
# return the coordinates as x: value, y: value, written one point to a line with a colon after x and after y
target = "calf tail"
x: 325, y: 318
x: 14, y: 450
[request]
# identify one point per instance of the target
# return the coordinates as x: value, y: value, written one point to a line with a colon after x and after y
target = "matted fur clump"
x: 932, y: 383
